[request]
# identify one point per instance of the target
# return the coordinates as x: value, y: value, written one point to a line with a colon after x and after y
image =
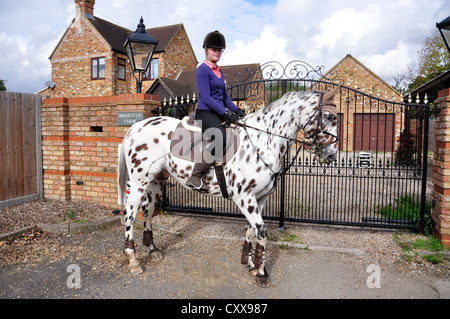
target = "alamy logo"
x: 374, y: 280
x: 74, y: 279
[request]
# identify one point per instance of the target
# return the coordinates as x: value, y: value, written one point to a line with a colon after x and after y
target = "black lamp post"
x: 444, y: 29
x: 140, y: 47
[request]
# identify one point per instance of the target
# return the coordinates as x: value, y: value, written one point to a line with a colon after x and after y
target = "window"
x: 98, y: 68
x: 121, y: 68
x: 152, y: 70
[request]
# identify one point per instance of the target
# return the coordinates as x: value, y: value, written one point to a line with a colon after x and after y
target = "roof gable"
x: 350, y: 60
x: 164, y: 35
x: 112, y: 33
x: 85, y: 20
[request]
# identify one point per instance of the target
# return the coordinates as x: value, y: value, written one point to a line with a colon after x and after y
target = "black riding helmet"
x: 214, y: 40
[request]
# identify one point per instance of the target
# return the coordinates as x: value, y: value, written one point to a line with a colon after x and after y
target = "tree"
x: 2, y: 85
x: 406, y: 149
x: 433, y: 59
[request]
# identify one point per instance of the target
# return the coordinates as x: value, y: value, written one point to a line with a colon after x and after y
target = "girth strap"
x: 221, y: 179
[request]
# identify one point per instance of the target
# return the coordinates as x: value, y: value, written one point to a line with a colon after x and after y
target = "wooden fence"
x: 20, y: 148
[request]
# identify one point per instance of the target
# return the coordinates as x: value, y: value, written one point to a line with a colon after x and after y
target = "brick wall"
x: 356, y: 76
x: 441, y: 169
x: 79, y: 161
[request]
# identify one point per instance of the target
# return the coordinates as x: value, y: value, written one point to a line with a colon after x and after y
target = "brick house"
x: 90, y: 59
x: 363, y: 127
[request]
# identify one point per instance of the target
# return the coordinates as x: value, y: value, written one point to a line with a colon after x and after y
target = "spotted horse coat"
x: 251, y: 174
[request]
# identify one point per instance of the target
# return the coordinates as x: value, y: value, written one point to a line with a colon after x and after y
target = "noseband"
x: 330, y: 107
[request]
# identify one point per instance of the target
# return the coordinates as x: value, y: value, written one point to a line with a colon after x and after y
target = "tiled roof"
x: 116, y: 35
x: 234, y: 74
x: 113, y: 34
x: 173, y: 88
x: 185, y: 84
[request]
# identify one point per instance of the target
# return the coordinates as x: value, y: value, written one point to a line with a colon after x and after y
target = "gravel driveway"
x: 202, y: 260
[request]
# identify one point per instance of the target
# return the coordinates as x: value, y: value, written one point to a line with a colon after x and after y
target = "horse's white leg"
x: 257, y: 237
x: 149, y: 208
x: 250, y: 240
x: 130, y: 211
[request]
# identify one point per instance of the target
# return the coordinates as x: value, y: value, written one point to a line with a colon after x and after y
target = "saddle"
x: 188, y: 143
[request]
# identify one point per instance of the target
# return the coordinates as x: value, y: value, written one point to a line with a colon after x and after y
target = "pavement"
x: 201, y: 261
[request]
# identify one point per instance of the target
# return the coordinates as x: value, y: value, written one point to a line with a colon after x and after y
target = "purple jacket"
x: 212, y: 94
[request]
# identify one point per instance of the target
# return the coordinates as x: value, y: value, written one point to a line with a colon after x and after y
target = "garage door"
x: 374, y: 132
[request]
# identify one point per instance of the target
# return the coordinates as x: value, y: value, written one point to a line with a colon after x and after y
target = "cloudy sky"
x: 385, y: 35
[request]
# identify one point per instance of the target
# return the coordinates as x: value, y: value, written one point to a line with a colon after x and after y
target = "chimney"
x: 84, y: 7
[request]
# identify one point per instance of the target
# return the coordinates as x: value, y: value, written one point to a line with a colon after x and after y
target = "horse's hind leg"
x: 130, y: 211
x: 149, y: 211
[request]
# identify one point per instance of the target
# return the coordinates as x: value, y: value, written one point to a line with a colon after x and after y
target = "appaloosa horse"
x: 251, y: 174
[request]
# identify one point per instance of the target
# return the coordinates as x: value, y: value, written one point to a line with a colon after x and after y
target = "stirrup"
x: 199, y: 188
x: 201, y: 185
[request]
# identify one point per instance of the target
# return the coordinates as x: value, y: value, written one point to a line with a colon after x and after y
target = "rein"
x: 306, y: 141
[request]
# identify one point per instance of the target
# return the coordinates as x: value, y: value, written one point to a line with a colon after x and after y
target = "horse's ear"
x: 328, y: 97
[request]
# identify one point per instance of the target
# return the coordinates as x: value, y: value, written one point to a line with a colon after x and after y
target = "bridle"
x: 310, y: 140
x: 315, y: 147
x: 330, y: 107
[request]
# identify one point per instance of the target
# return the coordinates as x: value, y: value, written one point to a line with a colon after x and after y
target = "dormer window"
x: 97, y: 68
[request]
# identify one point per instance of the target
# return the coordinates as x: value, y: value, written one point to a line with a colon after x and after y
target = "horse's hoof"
x: 156, y: 255
x: 262, y: 280
x: 136, y: 270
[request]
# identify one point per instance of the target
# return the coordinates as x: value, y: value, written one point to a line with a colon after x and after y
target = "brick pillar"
x: 55, y: 148
x: 441, y: 169
x: 80, y: 144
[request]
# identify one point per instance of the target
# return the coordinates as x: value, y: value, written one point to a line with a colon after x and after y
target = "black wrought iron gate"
x: 379, y: 178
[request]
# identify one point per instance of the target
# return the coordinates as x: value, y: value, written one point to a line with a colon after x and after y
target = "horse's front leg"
x: 247, y: 249
x: 259, y: 260
x: 254, y: 250
x: 130, y: 212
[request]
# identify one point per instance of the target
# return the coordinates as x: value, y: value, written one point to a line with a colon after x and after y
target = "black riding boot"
x: 198, y: 171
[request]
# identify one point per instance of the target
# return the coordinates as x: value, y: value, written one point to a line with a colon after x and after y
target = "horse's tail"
x: 122, y: 176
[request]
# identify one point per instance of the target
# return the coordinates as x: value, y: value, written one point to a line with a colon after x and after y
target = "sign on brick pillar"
x: 55, y: 148
x: 441, y: 169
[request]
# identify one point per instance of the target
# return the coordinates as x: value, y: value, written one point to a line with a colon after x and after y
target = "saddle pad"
x: 189, y: 145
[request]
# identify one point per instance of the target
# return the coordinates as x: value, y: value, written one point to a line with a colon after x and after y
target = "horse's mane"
x: 275, y: 104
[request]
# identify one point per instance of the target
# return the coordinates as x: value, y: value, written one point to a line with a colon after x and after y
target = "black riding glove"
x: 240, y: 112
x: 231, y: 117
